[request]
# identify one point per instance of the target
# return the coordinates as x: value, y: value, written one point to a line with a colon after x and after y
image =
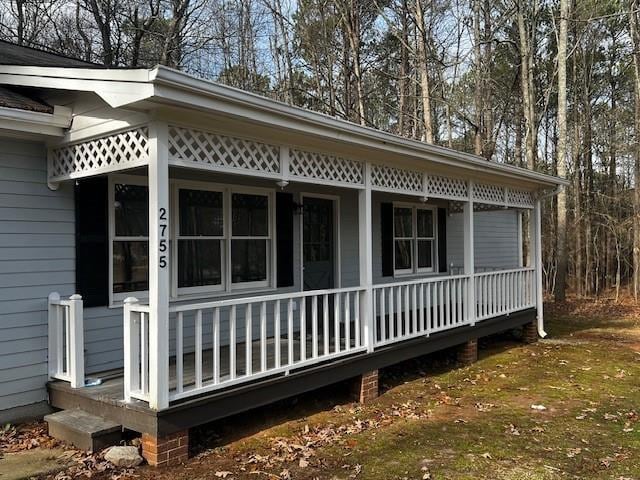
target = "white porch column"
x: 158, y: 266
x: 535, y: 239
x: 365, y: 251
x: 469, y: 257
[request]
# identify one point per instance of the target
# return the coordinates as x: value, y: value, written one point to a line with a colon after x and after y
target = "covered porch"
x: 236, y: 260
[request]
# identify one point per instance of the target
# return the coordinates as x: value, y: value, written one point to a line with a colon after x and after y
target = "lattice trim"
x: 446, y: 187
x: 113, y: 152
x: 522, y: 198
x: 215, y: 150
x: 391, y: 178
x: 325, y: 167
x: 484, y: 192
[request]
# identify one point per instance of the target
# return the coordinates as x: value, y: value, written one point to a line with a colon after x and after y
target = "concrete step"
x: 83, y: 430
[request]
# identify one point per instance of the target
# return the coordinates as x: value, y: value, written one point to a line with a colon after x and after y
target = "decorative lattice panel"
x: 211, y: 149
x: 391, y: 178
x: 484, y: 192
x: 325, y: 167
x: 446, y: 187
x: 113, y: 152
x: 520, y: 198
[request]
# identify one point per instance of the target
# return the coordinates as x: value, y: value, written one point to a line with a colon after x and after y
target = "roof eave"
x: 174, y: 82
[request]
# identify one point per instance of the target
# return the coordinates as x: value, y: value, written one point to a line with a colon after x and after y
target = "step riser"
x: 83, y: 430
x: 82, y: 440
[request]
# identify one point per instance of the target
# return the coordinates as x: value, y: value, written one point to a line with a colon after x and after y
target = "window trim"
x: 227, y: 287
x: 415, y: 270
x: 126, y: 180
x: 174, y: 237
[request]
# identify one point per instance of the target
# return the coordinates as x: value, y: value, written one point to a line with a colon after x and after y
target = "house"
x: 202, y: 250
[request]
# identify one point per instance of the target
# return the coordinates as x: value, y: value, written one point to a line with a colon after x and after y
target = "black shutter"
x: 92, y: 241
x: 442, y: 240
x: 284, y: 238
x: 386, y: 242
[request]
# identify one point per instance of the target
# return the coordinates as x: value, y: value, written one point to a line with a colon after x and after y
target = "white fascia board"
x: 49, y: 124
x: 114, y: 86
x: 177, y: 87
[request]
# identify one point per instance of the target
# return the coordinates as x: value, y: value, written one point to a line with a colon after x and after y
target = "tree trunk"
x: 478, y: 100
x: 561, y: 249
x: 423, y: 68
x: 633, y: 24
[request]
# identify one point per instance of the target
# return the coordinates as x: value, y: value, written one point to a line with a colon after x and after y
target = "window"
x: 413, y: 239
x: 200, y: 238
x: 130, y: 244
x: 249, y: 238
x: 221, y: 238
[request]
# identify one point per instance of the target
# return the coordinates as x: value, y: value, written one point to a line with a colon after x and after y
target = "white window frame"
x: 226, y: 287
x: 414, y: 270
x: 125, y: 180
x: 177, y: 291
x: 270, y: 238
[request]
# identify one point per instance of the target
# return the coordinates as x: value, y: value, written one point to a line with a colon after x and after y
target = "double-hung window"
x: 200, y: 240
x: 130, y: 239
x: 414, y: 239
x: 221, y: 240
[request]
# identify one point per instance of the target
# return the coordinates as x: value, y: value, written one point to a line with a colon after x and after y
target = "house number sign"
x: 162, y: 247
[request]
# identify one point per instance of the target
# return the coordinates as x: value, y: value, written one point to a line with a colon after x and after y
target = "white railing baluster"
x: 399, y: 331
x: 276, y: 331
x: 428, y: 309
x: 198, y: 353
x: 179, y: 353
x: 248, y: 340
x: 414, y: 310
x: 290, y: 329
x: 232, y: 342
x: 263, y: 339
x: 392, y: 328
x: 382, y: 314
x: 407, y: 311
x: 325, y: 324
x: 144, y: 377
x: 303, y: 330
x: 356, y: 321
x: 336, y: 322
x: 441, y: 304
x: 216, y: 345
x: 314, y: 326
x: 347, y: 322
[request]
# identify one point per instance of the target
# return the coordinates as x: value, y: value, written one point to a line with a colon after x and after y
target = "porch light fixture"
x: 424, y: 199
x: 282, y: 184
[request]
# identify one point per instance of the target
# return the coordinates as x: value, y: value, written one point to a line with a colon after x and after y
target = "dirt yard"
x: 566, y: 407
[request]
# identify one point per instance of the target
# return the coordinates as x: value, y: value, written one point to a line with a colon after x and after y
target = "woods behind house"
x: 553, y: 86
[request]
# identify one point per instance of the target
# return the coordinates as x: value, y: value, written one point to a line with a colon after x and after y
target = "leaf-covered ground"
x: 566, y: 407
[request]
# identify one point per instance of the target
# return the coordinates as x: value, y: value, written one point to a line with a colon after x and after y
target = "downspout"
x: 538, y: 257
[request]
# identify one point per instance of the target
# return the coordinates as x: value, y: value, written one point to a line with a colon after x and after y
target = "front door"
x: 318, y: 250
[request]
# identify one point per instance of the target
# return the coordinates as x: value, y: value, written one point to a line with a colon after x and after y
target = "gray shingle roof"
x: 13, y: 99
x: 13, y: 54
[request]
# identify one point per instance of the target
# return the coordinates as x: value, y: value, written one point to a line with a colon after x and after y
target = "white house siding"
x: 36, y: 257
x: 495, y: 239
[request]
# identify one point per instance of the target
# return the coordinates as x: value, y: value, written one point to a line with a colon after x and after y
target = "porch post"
x: 535, y: 230
x: 366, y: 259
x: 158, y: 265
x: 469, y: 258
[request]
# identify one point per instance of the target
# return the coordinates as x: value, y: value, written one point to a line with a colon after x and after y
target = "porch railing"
x: 214, y: 345
x: 226, y: 342
x: 66, y: 339
x: 415, y: 308
x: 504, y: 291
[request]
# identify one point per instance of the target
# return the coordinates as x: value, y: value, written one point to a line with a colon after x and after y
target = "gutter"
x: 26, y: 121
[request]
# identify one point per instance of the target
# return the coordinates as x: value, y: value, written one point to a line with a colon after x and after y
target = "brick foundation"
x: 530, y: 332
x: 365, y: 387
x: 166, y: 451
x: 468, y: 352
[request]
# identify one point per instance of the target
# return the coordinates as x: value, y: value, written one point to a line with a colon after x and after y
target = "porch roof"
x: 162, y: 86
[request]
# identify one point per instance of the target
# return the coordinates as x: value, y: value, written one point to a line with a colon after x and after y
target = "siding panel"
x: 36, y: 258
